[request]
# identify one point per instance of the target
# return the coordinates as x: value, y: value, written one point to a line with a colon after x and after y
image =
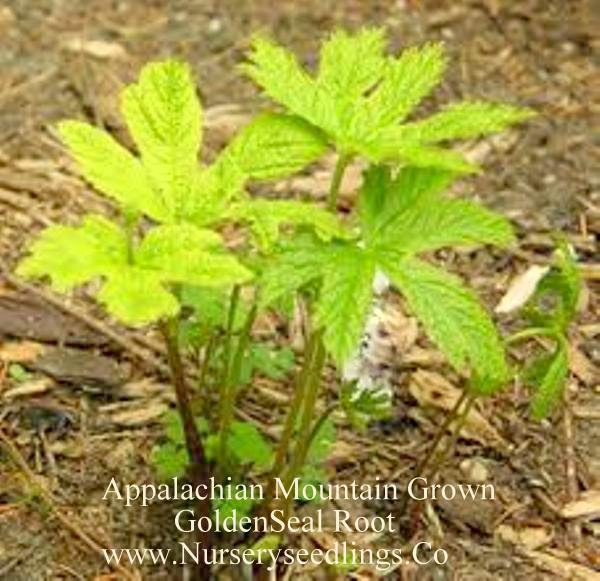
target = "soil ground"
x: 75, y: 436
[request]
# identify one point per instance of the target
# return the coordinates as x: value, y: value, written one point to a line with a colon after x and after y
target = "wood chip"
x: 526, y: 537
x: 521, y: 289
x: 100, y: 49
x: 433, y: 390
x: 142, y: 413
x: 587, y: 505
x: 28, y: 388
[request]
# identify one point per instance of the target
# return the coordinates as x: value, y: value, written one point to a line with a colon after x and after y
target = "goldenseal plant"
x: 359, y: 101
x: 164, y: 262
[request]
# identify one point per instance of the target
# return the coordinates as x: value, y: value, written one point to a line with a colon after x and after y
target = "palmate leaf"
x: 111, y: 169
x: 344, y: 300
x: 164, y: 116
x: 360, y: 96
x: 267, y: 216
x: 73, y: 255
x: 452, y: 317
x: 133, y: 290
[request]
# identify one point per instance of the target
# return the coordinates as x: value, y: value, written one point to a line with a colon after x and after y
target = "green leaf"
x: 416, y: 218
x: 246, y: 444
x: 226, y: 507
x: 185, y: 253
x: 352, y: 64
x: 406, y: 81
x: 554, y: 303
x: 137, y: 297
x: 345, y: 299
x: 209, y: 304
x: 272, y: 146
x: 74, y: 255
x: 267, y: 216
x: 453, y: 318
x: 322, y: 443
x: 464, y: 120
x: 390, y: 145
x: 295, y: 264
x: 548, y: 375
x: 277, y: 72
x: 382, y: 198
x: 272, y: 362
x: 169, y: 461
x: 111, y: 169
x: 164, y: 117
x: 364, y: 404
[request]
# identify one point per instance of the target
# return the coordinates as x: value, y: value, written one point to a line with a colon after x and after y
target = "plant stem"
x: 207, y: 356
x: 441, y: 433
x: 224, y: 388
x: 336, y: 181
x: 530, y: 334
x: 313, y: 383
x: 319, y: 424
x: 431, y: 453
x: 458, y: 426
x: 199, y: 473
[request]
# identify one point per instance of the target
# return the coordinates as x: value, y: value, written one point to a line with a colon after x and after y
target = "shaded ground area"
x: 88, y: 409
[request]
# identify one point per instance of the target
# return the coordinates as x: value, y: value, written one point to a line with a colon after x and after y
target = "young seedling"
x: 550, y: 312
x: 359, y: 100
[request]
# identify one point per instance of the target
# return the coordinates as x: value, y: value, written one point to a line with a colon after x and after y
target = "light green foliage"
x: 408, y: 214
x: 272, y: 146
x: 246, y: 447
x: 360, y: 95
x: 267, y: 216
x: 163, y: 115
x: 464, y: 120
x: 110, y: 168
x: 297, y: 263
x: 400, y: 217
x: 550, y: 311
x: 547, y: 375
x: 72, y: 256
x: 453, y: 317
x: 351, y: 65
x: 270, y: 361
x: 133, y: 289
x: 554, y: 303
x: 167, y: 184
x: 345, y: 299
